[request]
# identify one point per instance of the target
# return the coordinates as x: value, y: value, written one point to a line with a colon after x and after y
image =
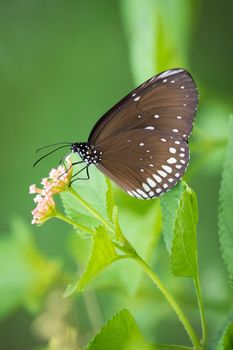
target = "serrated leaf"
x: 170, y: 203
x: 225, y: 217
x: 110, y: 203
x: 183, y: 259
x: 120, y: 333
x: 102, y: 254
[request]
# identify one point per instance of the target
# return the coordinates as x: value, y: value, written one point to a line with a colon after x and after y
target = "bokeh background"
x: 62, y: 65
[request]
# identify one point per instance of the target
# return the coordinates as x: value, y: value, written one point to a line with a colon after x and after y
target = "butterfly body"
x: 88, y: 153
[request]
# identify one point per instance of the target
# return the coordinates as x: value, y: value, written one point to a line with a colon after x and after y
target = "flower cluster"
x: 57, y: 181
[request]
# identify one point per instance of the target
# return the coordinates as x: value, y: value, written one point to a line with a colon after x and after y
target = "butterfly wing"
x: 145, y: 163
x: 166, y: 102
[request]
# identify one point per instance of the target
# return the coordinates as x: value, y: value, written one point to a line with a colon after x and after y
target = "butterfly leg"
x: 81, y: 178
x: 63, y: 163
x: 67, y: 169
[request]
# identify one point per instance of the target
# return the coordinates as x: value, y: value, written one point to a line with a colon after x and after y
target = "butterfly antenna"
x: 46, y: 155
x: 54, y: 144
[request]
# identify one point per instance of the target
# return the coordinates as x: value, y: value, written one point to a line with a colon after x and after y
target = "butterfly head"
x: 89, y: 154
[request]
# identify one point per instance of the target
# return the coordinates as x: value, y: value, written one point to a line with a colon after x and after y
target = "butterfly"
x: 141, y: 143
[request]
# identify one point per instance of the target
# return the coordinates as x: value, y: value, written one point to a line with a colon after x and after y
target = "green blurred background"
x: 62, y: 65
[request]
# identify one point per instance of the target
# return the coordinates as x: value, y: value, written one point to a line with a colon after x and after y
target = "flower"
x: 57, y: 181
x: 44, y: 210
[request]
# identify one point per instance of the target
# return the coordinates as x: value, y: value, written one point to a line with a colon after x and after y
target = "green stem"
x: 201, y: 308
x: 90, y: 209
x: 171, y: 301
x: 73, y: 223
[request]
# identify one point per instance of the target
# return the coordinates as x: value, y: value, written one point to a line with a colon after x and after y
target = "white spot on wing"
x: 141, y: 144
x: 175, y: 130
x: 170, y: 72
x: 142, y: 193
x: 149, y: 128
x: 162, y: 173
x: 171, y: 160
x: 137, y: 98
x: 156, y: 116
x: 146, y: 187
x: 136, y: 194
x: 172, y: 150
x: 157, y: 178
x: 151, y: 182
x: 167, y: 168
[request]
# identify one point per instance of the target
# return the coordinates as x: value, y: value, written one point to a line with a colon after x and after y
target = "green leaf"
x: 225, y: 217
x: 120, y: 333
x: 183, y: 259
x: 226, y: 341
x: 110, y: 203
x: 102, y: 254
x: 86, y: 220
x: 170, y: 203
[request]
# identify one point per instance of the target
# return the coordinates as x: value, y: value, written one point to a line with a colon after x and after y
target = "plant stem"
x: 73, y: 223
x: 90, y: 209
x: 171, y: 301
x: 128, y: 248
x: 201, y: 308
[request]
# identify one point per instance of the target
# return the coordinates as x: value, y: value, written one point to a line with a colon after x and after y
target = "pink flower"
x: 57, y: 181
x: 44, y: 210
